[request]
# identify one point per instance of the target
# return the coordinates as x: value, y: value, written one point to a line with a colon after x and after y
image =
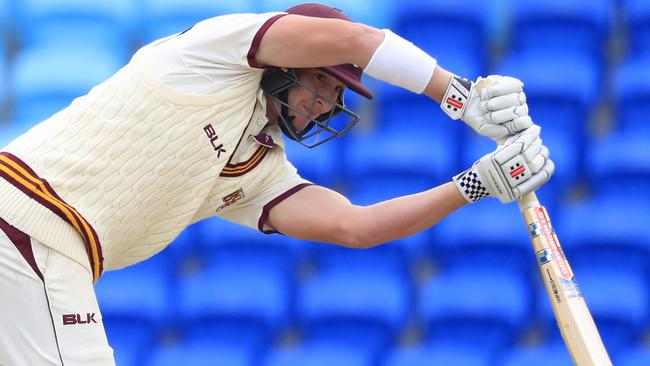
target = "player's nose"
x: 321, y: 106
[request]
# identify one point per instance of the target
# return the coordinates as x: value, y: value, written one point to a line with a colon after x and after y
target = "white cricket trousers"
x: 48, y: 309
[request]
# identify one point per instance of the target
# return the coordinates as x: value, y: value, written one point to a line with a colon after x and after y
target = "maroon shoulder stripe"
x: 264, y: 217
x: 257, y: 39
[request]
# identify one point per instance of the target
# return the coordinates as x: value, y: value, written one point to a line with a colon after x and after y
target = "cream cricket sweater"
x: 133, y: 158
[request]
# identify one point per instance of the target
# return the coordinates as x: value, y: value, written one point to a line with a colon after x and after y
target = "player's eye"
x: 320, y: 77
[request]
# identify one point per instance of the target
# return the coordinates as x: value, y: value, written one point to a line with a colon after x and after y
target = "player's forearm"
x: 438, y: 83
x: 403, y: 216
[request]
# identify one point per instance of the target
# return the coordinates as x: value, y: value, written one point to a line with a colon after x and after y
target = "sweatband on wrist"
x: 401, y: 63
x: 470, y: 186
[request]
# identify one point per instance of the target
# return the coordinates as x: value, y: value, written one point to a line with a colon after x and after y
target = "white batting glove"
x: 494, y: 106
x: 510, y: 172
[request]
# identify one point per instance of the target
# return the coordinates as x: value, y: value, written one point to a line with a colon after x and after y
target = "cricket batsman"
x: 193, y: 127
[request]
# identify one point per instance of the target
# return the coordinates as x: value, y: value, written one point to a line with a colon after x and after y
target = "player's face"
x: 310, y: 104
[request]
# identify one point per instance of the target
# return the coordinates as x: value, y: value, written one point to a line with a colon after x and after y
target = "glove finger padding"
x: 518, y: 124
x: 536, y: 163
x: 508, y: 114
x: 532, y: 150
x: 526, y: 136
x: 500, y: 85
x: 503, y: 101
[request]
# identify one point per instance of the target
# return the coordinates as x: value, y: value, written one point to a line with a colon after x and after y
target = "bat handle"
x: 528, y: 200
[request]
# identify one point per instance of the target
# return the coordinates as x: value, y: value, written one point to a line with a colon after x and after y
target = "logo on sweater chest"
x: 214, y: 140
x: 231, y: 199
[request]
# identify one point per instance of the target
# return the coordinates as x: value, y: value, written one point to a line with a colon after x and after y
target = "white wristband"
x: 401, y: 63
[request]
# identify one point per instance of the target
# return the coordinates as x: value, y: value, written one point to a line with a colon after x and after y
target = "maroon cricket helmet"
x: 349, y: 74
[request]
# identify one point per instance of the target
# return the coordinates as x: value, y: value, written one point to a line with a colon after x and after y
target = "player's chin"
x: 300, y: 122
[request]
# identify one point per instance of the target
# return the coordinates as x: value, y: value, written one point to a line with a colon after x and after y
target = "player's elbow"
x: 354, y: 232
x: 363, y: 38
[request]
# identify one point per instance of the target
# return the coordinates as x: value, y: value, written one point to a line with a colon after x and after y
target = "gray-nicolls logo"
x: 212, y: 135
x: 74, y: 319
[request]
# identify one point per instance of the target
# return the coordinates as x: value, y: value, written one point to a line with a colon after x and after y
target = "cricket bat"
x: 573, y: 317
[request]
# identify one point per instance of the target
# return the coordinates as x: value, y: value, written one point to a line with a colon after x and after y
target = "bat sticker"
x: 544, y: 256
x: 570, y: 287
x: 535, y: 229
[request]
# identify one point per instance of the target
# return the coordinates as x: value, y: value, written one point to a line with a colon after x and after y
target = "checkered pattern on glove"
x: 470, y: 186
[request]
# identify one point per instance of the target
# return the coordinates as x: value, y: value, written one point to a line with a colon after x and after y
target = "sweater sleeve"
x: 213, y: 55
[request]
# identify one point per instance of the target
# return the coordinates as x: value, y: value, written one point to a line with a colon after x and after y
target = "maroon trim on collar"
x: 258, y: 39
x: 23, y: 243
x: 264, y: 217
x: 239, y: 169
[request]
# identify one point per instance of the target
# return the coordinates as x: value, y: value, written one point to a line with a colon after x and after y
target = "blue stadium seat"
x: 620, y: 312
x: 204, y: 352
x: 607, y: 230
x: 10, y: 131
x: 379, y: 13
x: 604, y: 240
x: 618, y: 164
x: 46, y: 79
x: 246, y: 283
x: 617, y: 299
x: 460, y: 307
x: 187, y: 243
x: 439, y: 354
x: 135, y: 306
x: 631, y: 94
x: 5, y: 23
x: 554, y: 353
x: 485, y: 233
x: 131, y: 342
x: 637, y: 16
x: 355, y: 296
x: 321, y: 165
x: 4, y: 19
x: 413, y: 138
x: 637, y: 355
x: 425, y: 155
x: 162, y: 18
x: 320, y: 354
x: 216, y: 234
x: 558, y: 27
x: 376, y: 188
x: 328, y: 257
x: 4, y: 89
x: 448, y: 32
x: 619, y: 160
x: 108, y: 23
x: 563, y: 115
x: 139, y: 293
x: 380, y: 187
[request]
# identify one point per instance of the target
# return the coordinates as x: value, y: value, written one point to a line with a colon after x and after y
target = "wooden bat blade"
x: 571, y: 312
